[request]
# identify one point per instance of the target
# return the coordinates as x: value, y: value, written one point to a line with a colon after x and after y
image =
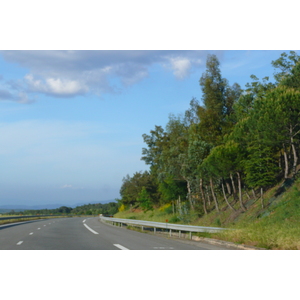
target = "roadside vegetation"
x: 229, y: 161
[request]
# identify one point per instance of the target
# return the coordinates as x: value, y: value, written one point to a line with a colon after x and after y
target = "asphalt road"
x: 86, y: 234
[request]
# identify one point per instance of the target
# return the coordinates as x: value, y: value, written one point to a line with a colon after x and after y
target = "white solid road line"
x: 120, y: 247
x: 90, y: 229
x: 31, y: 233
x: 19, y: 243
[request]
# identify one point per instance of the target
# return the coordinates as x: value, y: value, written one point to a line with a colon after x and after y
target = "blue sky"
x: 71, y: 122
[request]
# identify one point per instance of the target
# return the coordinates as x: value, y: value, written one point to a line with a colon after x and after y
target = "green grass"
x: 276, y: 226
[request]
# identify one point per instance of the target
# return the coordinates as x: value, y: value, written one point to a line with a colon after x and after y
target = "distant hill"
x: 3, y: 210
x: 93, y: 202
x: 20, y: 207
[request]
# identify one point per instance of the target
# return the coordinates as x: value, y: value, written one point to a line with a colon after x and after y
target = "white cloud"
x: 55, y: 86
x: 181, y: 67
x: 72, y: 73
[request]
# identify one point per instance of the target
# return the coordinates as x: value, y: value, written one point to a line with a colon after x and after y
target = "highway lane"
x: 86, y: 234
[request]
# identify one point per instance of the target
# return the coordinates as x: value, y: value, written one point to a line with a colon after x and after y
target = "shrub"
x: 121, y: 208
x: 174, y: 219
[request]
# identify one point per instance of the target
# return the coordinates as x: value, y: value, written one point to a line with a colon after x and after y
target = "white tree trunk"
x: 214, y: 195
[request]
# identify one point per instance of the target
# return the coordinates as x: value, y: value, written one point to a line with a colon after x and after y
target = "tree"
x: 218, y: 102
x: 260, y: 168
x: 132, y: 186
x: 281, y: 110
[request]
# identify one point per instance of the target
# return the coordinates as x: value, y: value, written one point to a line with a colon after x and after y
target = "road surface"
x: 80, y: 233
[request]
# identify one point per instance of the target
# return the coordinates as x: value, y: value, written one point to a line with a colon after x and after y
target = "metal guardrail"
x: 168, y: 226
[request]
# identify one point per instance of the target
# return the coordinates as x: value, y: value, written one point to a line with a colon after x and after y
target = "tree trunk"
x: 228, y: 188
x: 233, y: 185
x: 214, y: 195
x: 248, y: 196
x: 295, y: 156
x: 225, y: 197
x: 189, y: 194
x: 240, y: 191
x: 207, y: 193
x: 203, y: 196
x: 179, y: 205
x: 253, y: 192
x: 286, y: 163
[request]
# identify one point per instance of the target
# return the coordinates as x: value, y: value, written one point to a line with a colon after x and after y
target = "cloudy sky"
x: 71, y: 122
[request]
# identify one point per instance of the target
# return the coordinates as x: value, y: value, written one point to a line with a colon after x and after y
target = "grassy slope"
x: 277, y: 226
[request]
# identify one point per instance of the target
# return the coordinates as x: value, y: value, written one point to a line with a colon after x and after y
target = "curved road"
x: 86, y: 234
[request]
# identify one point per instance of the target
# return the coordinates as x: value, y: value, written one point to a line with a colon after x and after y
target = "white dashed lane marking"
x: 120, y: 247
x: 19, y: 243
x: 90, y: 229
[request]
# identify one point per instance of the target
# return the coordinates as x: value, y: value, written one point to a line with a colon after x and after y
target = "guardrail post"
x: 154, y: 229
x: 190, y: 235
x: 179, y: 234
x: 170, y: 232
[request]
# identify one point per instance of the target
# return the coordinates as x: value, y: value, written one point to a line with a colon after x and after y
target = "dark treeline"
x: 235, y: 144
x: 87, y: 209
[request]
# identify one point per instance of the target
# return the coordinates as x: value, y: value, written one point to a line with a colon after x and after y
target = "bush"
x: 174, y: 219
x: 121, y: 208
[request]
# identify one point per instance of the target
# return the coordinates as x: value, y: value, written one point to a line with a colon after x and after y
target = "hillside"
x: 276, y: 226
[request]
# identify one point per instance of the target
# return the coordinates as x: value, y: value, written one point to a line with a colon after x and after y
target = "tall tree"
x: 218, y: 100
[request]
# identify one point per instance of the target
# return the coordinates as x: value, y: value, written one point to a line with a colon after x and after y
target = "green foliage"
x: 170, y: 189
x: 144, y: 200
x: 286, y: 64
x: 218, y: 99
x: 132, y: 187
x: 261, y: 167
x: 96, y: 209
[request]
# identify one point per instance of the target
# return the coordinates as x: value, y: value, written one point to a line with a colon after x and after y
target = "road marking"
x: 19, y: 243
x: 83, y: 220
x: 120, y: 247
x: 31, y: 233
x: 90, y: 229
x: 39, y: 228
x: 44, y: 225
